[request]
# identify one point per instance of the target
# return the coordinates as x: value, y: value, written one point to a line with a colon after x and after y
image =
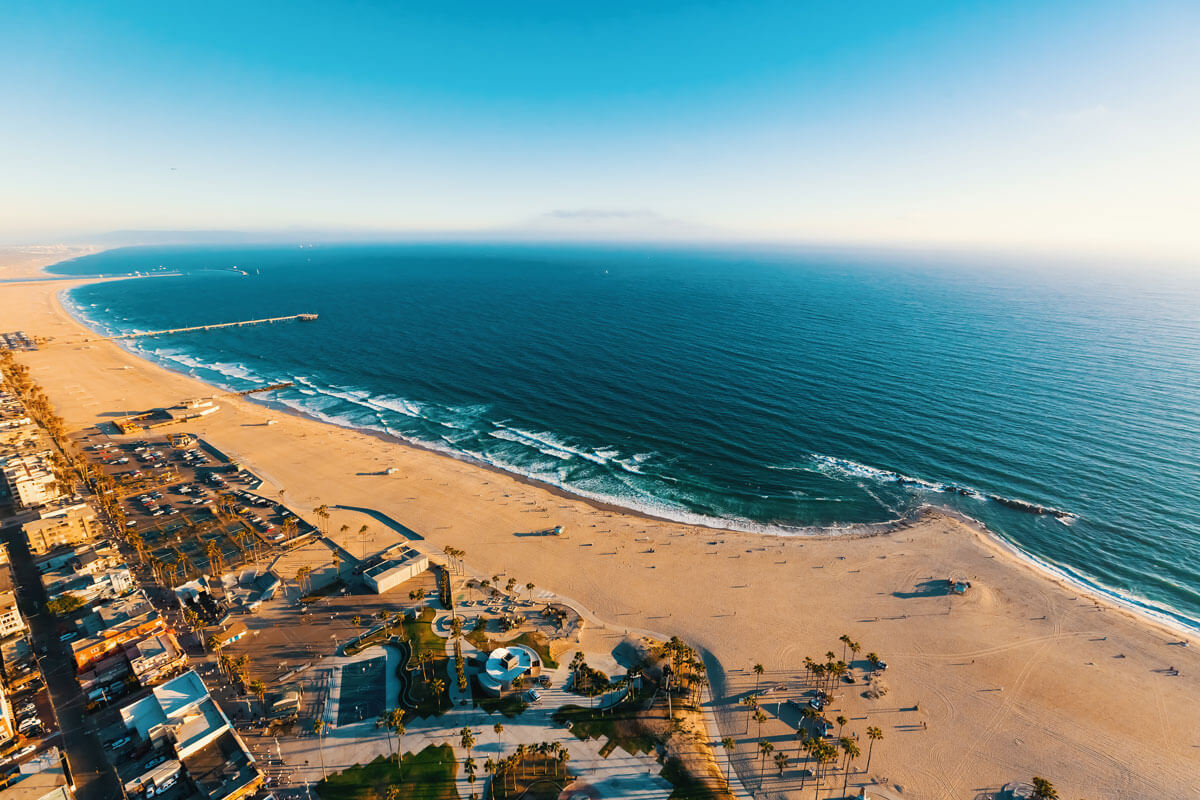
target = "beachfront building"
x: 11, y: 621
x: 233, y: 633
x: 506, y: 664
x: 29, y: 481
x: 188, y: 742
x: 153, y: 658
x: 400, y: 563
x: 113, y: 625
x: 43, y: 777
x: 65, y: 527
x: 8, y: 721
x: 88, y: 585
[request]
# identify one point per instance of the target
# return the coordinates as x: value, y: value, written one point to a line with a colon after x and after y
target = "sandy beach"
x: 1023, y: 675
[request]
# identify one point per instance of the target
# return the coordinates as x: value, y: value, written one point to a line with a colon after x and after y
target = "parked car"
x: 118, y: 743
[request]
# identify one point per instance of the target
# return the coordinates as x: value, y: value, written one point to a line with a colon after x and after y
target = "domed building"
x: 506, y: 664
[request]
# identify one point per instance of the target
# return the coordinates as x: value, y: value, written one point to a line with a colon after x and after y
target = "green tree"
x: 874, y: 734
x: 467, y: 739
x: 1044, y: 789
x: 730, y: 745
x: 65, y: 604
x: 764, y: 749
x: 259, y: 690
x: 851, y: 751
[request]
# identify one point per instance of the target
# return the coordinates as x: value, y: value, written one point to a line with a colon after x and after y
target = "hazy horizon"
x: 1070, y: 129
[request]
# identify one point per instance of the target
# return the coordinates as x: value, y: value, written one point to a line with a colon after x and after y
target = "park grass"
x: 427, y: 775
x: 620, y: 726
x: 358, y: 645
x: 421, y: 636
x: 420, y: 633
x: 510, y: 705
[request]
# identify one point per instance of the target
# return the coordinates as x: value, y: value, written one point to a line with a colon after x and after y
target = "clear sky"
x: 1042, y: 124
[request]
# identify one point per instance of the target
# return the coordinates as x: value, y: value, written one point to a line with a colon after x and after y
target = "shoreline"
x: 1062, y: 575
x: 1020, y: 676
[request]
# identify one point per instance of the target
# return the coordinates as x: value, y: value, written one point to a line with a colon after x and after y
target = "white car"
x: 24, y: 751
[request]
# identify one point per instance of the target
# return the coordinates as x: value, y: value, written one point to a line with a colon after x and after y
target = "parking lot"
x: 188, y: 510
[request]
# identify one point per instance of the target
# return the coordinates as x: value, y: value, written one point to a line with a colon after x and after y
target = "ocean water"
x: 782, y: 392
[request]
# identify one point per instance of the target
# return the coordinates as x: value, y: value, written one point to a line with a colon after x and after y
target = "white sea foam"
x: 848, y: 468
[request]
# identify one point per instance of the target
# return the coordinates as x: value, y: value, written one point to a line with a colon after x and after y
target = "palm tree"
x: 489, y: 767
x: 806, y: 744
x: 764, y: 750
x: 356, y: 620
x: 758, y: 671
x: 874, y: 661
x: 841, y: 721
x: 760, y: 717
x: 1044, y: 789
x: 855, y: 647
x: 400, y: 730
x: 499, y: 729
x: 564, y: 755
x: 438, y: 686
x: 750, y: 701
x: 850, y: 748
x: 874, y: 734
x: 467, y: 739
x: 319, y: 729
x: 529, y: 590
x: 730, y: 745
x: 781, y: 761
x: 213, y: 643
x: 845, y: 640
x: 259, y: 690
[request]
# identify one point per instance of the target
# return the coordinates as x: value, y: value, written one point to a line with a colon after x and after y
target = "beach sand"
x: 1023, y: 675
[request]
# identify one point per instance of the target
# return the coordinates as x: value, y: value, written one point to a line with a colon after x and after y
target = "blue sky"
x: 1067, y: 125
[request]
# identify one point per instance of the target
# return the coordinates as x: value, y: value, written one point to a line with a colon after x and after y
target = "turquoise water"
x: 769, y: 391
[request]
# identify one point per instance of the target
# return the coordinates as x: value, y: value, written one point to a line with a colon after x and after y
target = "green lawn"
x: 509, y: 705
x: 619, y: 726
x: 420, y: 634
x: 427, y: 775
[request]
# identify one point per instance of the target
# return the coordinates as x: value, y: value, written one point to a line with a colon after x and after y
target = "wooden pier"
x: 214, y: 326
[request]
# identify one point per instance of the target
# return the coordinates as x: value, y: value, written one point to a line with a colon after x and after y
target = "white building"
x: 505, y: 665
x: 401, y: 563
x: 10, y: 616
x: 29, y: 481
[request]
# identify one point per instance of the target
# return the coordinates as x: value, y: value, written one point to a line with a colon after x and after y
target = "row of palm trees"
x: 526, y: 765
x: 822, y: 753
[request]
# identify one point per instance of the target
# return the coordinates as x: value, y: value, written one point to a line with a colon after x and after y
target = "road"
x: 95, y: 778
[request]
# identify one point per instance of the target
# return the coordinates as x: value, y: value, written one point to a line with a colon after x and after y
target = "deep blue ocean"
x: 765, y: 390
